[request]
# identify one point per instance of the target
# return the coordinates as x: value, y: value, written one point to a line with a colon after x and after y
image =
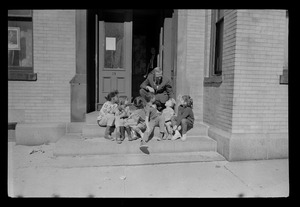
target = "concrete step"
x: 75, y: 127
x: 135, y: 159
x: 11, y: 134
x: 94, y: 130
x: 76, y: 145
x: 91, y: 118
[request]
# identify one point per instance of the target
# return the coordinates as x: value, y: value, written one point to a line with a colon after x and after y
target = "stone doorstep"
x: 70, y: 145
x: 136, y: 159
x: 93, y: 130
x: 91, y: 118
x: 39, y: 133
x: 11, y: 134
x: 250, y: 146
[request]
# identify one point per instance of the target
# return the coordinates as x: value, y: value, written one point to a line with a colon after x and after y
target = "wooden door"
x: 115, y: 57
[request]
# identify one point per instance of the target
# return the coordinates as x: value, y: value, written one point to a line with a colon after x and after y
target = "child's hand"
x: 150, y: 89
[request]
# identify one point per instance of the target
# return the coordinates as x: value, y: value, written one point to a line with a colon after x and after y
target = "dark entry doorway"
x: 146, y: 28
x: 147, y: 32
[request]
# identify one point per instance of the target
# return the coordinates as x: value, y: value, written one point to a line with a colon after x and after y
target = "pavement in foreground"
x: 33, y: 171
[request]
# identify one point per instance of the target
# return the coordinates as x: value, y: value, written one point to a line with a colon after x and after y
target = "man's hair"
x: 188, y: 100
x: 111, y: 95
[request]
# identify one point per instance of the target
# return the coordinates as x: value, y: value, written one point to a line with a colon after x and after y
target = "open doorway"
x: 145, y: 33
x: 146, y: 30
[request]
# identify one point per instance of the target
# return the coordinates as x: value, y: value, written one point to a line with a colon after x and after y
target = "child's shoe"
x: 176, y: 135
x: 134, y: 135
x: 118, y: 139
x: 169, y: 137
x: 183, y: 138
x: 143, y: 144
x: 161, y: 136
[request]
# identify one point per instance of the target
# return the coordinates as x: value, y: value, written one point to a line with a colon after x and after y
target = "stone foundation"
x: 241, y: 146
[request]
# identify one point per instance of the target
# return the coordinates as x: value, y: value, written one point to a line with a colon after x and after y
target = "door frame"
x: 127, y: 59
x: 94, y: 16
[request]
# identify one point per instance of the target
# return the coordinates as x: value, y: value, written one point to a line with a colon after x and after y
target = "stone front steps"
x: 76, y: 145
x: 87, y: 139
x: 91, y: 129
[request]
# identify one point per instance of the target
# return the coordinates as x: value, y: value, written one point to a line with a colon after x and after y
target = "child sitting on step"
x: 184, y: 118
x: 121, y: 114
x: 153, y: 118
x: 106, y: 116
x: 168, y: 113
x: 135, y: 123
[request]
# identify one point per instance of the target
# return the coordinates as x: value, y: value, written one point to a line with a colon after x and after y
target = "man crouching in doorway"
x: 160, y: 85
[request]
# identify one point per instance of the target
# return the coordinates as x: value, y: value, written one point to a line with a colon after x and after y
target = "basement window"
x: 20, y: 46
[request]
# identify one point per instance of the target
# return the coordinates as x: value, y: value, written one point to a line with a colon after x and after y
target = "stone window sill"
x: 19, y: 76
x: 213, y: 81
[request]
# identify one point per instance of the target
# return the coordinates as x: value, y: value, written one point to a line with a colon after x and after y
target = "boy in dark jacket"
x: 184, y: 119
x: 153, y: 118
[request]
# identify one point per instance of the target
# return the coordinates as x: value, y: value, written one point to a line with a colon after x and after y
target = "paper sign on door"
x: 110, y: 43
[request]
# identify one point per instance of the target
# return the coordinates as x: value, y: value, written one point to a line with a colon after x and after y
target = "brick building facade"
x: 245, y: 105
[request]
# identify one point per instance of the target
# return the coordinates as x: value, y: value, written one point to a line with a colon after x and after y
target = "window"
x: 20, y: 45
x: 216, y: 49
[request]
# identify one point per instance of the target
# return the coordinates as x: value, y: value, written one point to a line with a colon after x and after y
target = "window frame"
x: 217, y: 69
x: 19, y: 73
x: 215, y: 79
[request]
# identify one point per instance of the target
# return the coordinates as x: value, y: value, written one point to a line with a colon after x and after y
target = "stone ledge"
x: 39, y: 133
x: 241, y: 146
x: 213, y: 81
x: 17, y: 76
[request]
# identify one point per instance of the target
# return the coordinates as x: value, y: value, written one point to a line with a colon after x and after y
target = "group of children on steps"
x: 138, y: 119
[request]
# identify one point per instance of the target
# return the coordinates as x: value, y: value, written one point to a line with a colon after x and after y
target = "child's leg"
x: 122, y: 129
x: 145, y: 138
x: 138, y: 129
x: 122, y: 132
x: 117, y: 122
x: 110, y: 119
x: 162, y: 129
x: 169, y: 129
x: 186, y: 125
x: 128, y: 130
x: 102, y: 122
x: 173, y: 120
x: 176, y: 131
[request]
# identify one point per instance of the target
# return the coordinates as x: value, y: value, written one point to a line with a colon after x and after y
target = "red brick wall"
x: 250, y: 98
x: 48, y: 98
x: 190, y: 57
x: 218, y: 101
x: 260, y: 102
